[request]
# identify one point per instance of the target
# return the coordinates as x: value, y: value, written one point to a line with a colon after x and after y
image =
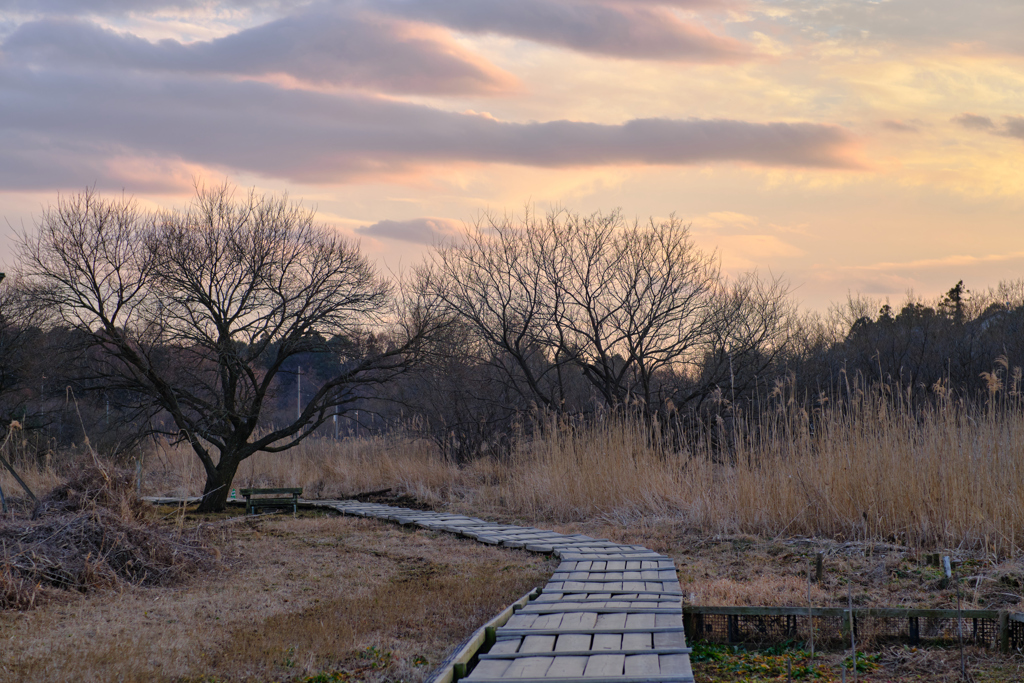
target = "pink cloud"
x: 645, y: 30
x: 74, y: 118
x: 337, y: 48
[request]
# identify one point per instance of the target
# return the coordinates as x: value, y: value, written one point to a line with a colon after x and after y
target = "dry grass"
x: 945, y: 477
x: 870, y: 487
x: 295, y: 596
x: 34, y: 463
x: 767, y: 589
x: 87, y: 533
x: 573, y: 472
x: 323, y: 468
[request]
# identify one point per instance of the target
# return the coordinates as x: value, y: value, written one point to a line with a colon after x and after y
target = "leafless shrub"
x: 90, y: 532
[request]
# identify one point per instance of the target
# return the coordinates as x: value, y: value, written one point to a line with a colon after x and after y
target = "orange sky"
x: 850, y: 145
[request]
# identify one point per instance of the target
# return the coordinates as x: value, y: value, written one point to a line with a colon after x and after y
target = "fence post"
x: 1004, y: 631
x: 690, y: 626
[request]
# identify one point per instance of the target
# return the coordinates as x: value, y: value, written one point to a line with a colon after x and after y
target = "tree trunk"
x: 218, y: 484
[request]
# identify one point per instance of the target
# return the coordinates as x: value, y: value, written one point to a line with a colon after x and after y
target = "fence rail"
x: 763, y: 625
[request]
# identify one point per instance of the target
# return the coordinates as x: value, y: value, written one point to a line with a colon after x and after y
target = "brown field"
x: 873, y: 488
x: 949, y: 477
x: 290, y: 598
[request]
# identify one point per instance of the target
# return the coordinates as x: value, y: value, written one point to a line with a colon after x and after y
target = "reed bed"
x: 943, y: 476
x: 35, y: 462
x: 324, y: 468
x: 948, y: 475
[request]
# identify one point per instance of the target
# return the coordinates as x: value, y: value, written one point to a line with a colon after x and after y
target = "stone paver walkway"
x: 611, y: 613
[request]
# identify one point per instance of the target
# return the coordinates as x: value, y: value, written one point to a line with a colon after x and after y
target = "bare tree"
x: 22, y: 368
x: 619, y: 304
x: 196, y: 312
x: 495, y: 280
x: 752, y: 323
x: 632, y: 300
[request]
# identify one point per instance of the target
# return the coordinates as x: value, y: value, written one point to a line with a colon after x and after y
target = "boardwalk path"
x: 610, y: 613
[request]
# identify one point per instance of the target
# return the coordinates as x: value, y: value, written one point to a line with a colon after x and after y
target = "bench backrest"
x: 253, y: 492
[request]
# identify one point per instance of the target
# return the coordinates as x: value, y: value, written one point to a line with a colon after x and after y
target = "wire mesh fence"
x: 763, y: 626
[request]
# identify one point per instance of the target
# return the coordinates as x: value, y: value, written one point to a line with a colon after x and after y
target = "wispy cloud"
x: 896, y: 278
x: 125, y: 7
x: 987, y: 26
x: 319, y: 137
x: 974, y: 122
x: 943, y: 262
x: 901, y: 126
x: 646, y: 30
x: 340, y: 48
x: 1013, y: 126
x: 416, y: 230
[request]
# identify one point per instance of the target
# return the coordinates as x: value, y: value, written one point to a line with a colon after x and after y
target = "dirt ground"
x: 749, y: 570
x: 326, y: 598
x: 312, y: 597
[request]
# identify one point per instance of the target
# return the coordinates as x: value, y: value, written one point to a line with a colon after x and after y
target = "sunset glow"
x: 849, y: 145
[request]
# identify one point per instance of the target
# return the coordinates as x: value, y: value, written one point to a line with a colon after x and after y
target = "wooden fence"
x: 831, y: 625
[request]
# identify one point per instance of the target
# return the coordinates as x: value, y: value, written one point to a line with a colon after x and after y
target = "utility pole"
x: 298, y: 396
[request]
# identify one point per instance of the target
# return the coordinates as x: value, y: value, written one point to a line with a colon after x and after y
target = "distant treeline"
x: 561, y: 314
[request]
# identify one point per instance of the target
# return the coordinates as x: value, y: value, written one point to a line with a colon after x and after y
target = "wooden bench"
x: 270, y: 498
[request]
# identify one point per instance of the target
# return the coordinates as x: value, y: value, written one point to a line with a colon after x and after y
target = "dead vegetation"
x: 87, y: 533
x: 875, y: 492
x: 873, y: 489
x: 943, y: 477
x: 294, y: 597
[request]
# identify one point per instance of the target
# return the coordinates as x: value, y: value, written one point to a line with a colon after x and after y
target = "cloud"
x: 79, y: 7
x: 633, y: 30
x: 682, y: 4
x: 119, y: 7
x: 990, y: 26
x: 319, y: 137
x: 1013, y: 127
x: 900, y: 126
x: 974, y: 122
x: 333, y: 48
x: 124, y: 7
x: 38, y: 162
x: 417, y: 230
x: 727, y: 222
x: 742, y: 241
x: 951, y: 260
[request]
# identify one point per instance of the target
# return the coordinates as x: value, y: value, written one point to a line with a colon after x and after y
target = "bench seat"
x: 271, y: 498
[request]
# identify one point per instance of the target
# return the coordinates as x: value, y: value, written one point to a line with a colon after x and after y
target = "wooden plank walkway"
x: 611, y: 613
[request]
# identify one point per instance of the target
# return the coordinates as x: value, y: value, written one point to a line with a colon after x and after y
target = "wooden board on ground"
x: 611, y: 613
